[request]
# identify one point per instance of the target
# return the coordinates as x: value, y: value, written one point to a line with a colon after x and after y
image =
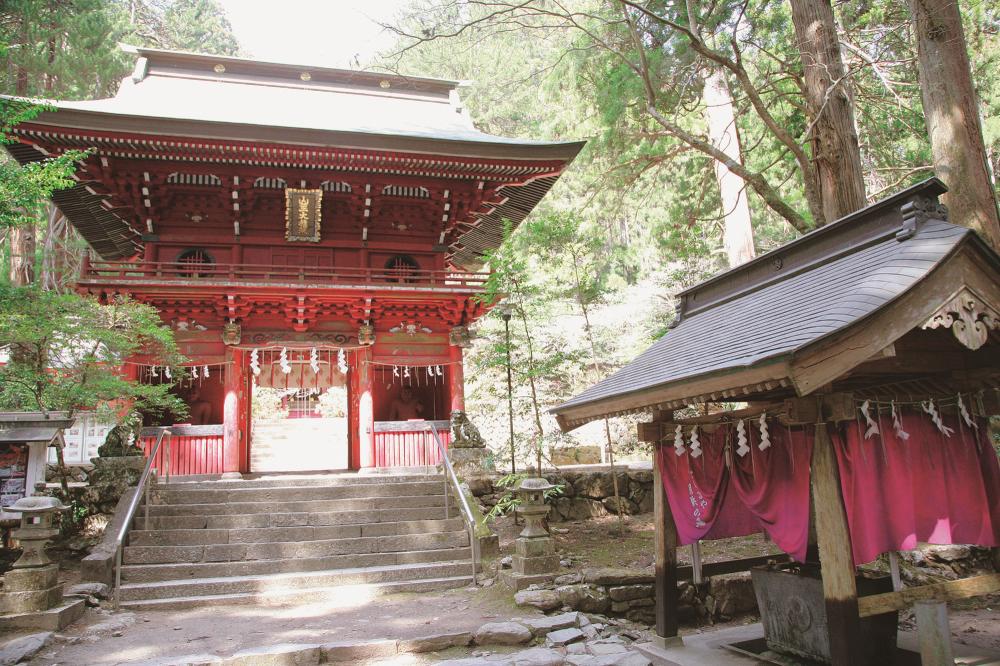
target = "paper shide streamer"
x: 679, y: 441
x: 695, y: 443
x: 255, y: 362
x: 765, y: 436
x: 897, y: 423
x: 741, y: 439
x: 964, y: 413
x: 931, y: 410
x: 872, y: 426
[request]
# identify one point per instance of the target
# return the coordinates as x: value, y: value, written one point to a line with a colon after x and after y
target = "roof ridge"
x: 894, y: 215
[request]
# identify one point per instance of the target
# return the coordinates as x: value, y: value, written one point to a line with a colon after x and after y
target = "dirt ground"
x: 135, y: 637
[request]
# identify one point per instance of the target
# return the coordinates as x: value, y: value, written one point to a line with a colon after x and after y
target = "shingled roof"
x: 765, y: 313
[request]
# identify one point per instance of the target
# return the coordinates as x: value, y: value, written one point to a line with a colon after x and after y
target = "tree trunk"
x: 22, y: 254
x: 836, y: 154
x: 951, y: 109
x: 737, y: 236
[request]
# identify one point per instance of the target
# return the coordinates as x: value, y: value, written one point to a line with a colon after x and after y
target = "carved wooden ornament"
x: 968, y: 316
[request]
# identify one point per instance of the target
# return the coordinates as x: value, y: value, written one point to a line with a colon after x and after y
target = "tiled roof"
x: 751, y: 318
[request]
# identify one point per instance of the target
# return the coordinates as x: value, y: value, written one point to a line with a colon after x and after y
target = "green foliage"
x: 23, y: 189
x: 198, y: 25
x: 508, y: 502
x: 66, y: 352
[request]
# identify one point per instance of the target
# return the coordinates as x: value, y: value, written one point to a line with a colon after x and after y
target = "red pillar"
x: 366, y: 409
x: 457, y: 373
x: 232, y: 430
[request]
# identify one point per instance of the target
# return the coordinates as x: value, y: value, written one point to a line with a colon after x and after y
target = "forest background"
x: 666, y: 93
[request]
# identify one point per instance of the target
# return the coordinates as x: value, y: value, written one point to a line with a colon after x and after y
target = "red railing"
x: 193, y: 450
x: 402, y: 444
x: 173, y: 272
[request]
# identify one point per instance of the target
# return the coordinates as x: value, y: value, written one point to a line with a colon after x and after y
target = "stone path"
x: 472, y: 626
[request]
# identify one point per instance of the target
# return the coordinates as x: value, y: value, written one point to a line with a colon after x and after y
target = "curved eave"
x: 487, y: 147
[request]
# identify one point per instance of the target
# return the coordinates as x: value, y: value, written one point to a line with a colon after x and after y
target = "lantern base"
x: 53, y: 619
x: 30, y: 590
x: 516, y: 582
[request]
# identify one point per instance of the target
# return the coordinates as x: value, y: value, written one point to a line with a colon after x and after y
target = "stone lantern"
x: 534, y: 559
x: 31, y: 597
x: 32, y: 584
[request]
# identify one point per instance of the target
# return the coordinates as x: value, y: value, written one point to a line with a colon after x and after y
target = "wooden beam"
x: 709, y: 569
x: 837, y: 565
x: 889, y: 602
x: 665, y: 546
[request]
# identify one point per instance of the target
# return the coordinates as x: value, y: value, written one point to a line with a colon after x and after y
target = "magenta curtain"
x: 763, y: 490
x: 928, y: 488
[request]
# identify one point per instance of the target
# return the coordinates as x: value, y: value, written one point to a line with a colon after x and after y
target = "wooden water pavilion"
x: 835, y: 394
x: 313, y: 232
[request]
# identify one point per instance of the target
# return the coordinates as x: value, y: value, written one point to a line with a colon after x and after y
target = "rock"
x: 23, y: 648
x: 947, y: 553
x: 544, y: 600
x: 506, y: 562
x: 587, y: 598
x: 605, y: 647
x: 591, y: 631
x: 118, y: 622
x: 562, y: 637
x: 543, y: 625
x: 619, y: 606
x: 282, y: 654
x: 628, y: 506
x: 502, y: 633
x: 568, y: 579
x: 479, y: 485
x: 733, y: 594
x: 642, y: 615
x: 576, y: 648
x: 355, y: 651
x: 630, y: 592
x: 614, y: 577
x: 579, y: 508
x: 536, y: 657
x: 565, y: 564
x: 99, y: 590
x: 435, y: 642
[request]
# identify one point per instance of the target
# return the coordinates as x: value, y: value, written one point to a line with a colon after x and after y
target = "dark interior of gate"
x: 314, y: 238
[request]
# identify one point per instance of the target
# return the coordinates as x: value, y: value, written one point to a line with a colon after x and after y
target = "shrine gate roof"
x: 246, y: 97
x: 212, y: 109
x: 770, y: 328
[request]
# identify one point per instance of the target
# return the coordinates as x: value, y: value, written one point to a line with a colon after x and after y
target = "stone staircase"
x: 293, y: 538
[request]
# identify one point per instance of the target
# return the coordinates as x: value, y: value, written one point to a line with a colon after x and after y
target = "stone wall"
x: 629, y: 593
x: 586, y: 493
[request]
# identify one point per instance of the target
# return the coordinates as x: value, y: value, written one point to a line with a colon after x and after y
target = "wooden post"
x: 837, y: 564
x: 666, y: 561
x: 231, y: 430
x: 934, y: 633
x: 456, y: 373
x: 366, y: 409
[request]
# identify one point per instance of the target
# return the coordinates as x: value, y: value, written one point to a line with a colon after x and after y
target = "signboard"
x: 13, y: 472
x: 302, y: 215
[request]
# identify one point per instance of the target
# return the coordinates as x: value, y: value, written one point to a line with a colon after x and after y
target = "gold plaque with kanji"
x: 302, y: 215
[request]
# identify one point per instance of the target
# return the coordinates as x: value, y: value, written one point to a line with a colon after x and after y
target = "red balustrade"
x: 192, y: 450
x: 399, y: 444
x: 173, y: 272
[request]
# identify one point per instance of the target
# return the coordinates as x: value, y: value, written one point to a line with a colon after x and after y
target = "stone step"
x: 293, y: 583
x: 308, y: 595
x: 171, y: 495
x: 295, y: 479
x: 298, y: 518
x: 204, y: 537
x: 306, y: 506
x: 148, y: 573
x: 233, y: 552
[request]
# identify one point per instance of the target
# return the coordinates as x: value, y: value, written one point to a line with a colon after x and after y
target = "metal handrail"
x: 467, y: 515
x: 141, y: 491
